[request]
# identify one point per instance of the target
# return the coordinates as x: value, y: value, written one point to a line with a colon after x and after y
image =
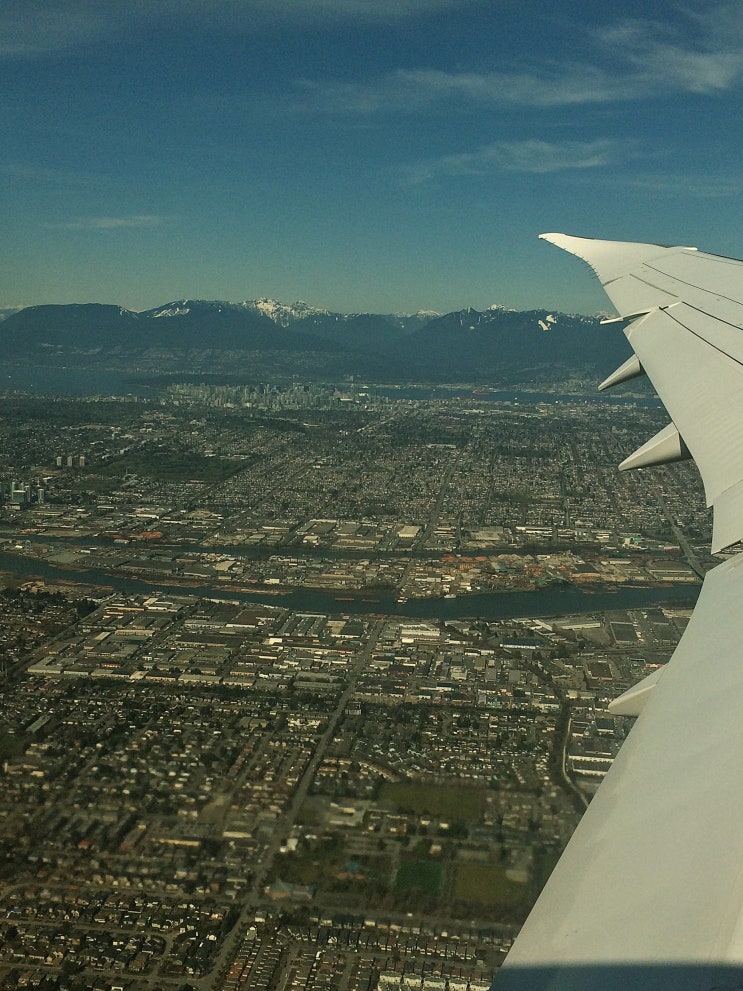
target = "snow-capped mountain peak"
x: 173, y: 310
x: 282, y: 313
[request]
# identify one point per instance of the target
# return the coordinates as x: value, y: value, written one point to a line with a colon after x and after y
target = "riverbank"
x: 553, y: 601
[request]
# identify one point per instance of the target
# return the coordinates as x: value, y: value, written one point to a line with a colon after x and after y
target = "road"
x: 254, y: 895
x: 564, y: 768
x: 686, y: 549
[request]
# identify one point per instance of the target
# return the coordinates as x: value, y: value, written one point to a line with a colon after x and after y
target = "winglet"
x: 614, y: 261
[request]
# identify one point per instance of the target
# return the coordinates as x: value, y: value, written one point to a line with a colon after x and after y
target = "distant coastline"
x: 76, y: 381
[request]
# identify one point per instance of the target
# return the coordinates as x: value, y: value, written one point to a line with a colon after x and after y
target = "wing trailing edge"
x: 649, y: 891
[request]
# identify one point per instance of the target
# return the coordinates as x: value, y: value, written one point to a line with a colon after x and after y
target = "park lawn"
x: 487, y: 884
x: 312, y: 866
x: 436, y: 800
x: 424, y: 875
x: 172, y: 466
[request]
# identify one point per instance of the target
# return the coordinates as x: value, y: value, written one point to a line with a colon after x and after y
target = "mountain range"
x: 265, y: 338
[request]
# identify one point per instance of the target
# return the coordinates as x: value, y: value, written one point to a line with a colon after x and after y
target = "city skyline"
x: 383, y: 158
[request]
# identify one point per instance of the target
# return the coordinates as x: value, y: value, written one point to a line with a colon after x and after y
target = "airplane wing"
x: 649, y: 891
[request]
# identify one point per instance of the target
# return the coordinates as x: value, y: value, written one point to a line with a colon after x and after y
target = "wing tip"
x: 564, y: 240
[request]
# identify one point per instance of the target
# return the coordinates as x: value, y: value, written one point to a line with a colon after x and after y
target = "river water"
x: 40, y: 380
x: 553, y: 601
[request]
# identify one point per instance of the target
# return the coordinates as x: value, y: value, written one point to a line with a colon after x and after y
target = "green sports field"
x: 435, y: 800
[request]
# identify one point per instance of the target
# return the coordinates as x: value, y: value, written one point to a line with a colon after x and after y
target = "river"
x: 557, y: 600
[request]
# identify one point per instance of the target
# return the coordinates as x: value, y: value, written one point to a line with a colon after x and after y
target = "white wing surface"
x: 649, y: 892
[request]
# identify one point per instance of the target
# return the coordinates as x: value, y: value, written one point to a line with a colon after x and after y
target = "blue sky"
x: 383, y: 155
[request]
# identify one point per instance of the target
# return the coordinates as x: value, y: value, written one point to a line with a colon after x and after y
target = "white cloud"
x: 413, y: 90
x: 531, y: 156
x: 362, y: 10
x: 697, y: 186
x: 690, y: 51
x: 43, y: 175
x: 635, y: 59
x: 658, y: 57
x: 31, y: 26
x: 34, y: 27
x: 112, y: 223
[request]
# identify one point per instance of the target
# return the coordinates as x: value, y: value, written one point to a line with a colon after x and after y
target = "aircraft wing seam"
x: 700, y: 337
x: 691, y: 285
